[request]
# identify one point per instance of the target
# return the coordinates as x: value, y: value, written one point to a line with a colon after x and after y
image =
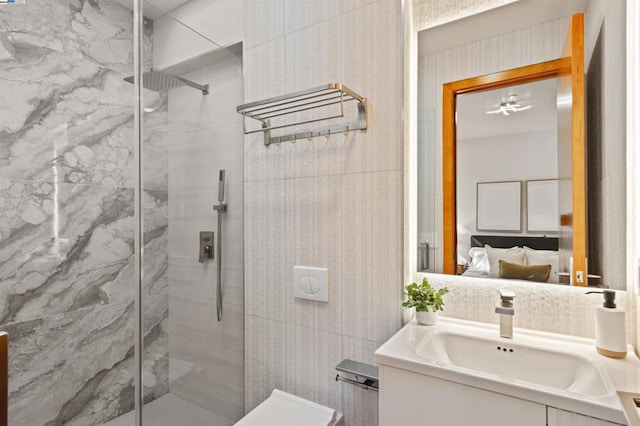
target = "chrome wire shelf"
x: 318, y: 98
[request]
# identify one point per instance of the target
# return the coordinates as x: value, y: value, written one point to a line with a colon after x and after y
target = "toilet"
x: 284, y: 409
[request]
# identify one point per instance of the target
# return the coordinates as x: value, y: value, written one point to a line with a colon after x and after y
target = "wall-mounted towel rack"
x: 319, y: 100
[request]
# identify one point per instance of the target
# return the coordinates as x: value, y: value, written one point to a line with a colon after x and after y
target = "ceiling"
x: 154, y: 9
x: 472, y: 121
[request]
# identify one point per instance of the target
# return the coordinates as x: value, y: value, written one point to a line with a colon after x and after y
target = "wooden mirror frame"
x: 571, y: 67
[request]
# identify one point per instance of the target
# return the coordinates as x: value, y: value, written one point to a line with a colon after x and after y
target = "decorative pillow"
x: 495, y: 255
x: 479, y: 260
x: 539, y: 273
x: 544, y: 257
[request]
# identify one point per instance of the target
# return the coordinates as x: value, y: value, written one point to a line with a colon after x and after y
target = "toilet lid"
x: 283, y: 409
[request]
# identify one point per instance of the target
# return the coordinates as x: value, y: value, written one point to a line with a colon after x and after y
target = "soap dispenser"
x: 610, y: 327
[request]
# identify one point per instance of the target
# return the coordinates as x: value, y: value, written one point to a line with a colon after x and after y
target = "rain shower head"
x: 159, y: 81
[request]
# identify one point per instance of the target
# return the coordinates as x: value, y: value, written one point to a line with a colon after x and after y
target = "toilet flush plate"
x: 310, y: 283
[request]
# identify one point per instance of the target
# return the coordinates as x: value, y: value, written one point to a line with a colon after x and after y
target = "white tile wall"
x: 265, y: 273
x: 311, y: 356
x: 291, y: 343
x: 429, y: 13
x: 312, y: 238
x: 330, y: 202
x: 312, y: 55
x: 203, y: 135
x: 186, y: 32
x: 366, y: 34
x: 371, y: 213
x: 348, y: 5
x: 316, y: 157
x: 304, y: 13
x: 264, y: 359
x: 263, y: 21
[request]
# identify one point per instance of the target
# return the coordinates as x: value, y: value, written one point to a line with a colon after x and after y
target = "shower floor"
x: 170, y: 410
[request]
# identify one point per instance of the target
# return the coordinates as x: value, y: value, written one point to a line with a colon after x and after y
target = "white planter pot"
x: 427, y: 318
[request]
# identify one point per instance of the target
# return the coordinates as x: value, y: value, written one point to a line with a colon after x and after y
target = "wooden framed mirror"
x: 569, y: 72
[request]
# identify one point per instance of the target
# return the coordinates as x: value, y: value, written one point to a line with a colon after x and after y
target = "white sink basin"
x: 564, y: 372
x: 513, y: 362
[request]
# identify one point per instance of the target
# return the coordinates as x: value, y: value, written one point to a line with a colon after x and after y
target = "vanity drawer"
x: 408, y: 398
x: 557, y: 417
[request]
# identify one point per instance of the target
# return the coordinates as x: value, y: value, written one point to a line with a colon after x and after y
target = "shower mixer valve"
x: 206, y: 246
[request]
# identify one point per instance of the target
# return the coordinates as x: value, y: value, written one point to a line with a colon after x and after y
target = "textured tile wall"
x: 333, y: 203
x: 553, y: 308
x: 66, y: 215
x: 429, y: 13
x: 203, y: 135
x: 283, y: 183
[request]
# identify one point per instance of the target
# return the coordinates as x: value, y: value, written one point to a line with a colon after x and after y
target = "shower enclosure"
x: 120, y: 144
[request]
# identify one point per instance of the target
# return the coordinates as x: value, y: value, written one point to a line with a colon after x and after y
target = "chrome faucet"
x: 506, y: 311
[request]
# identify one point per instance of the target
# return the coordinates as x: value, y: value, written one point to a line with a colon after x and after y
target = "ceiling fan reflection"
x: 508, y: 106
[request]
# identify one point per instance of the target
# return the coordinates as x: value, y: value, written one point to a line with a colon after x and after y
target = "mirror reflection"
x: 529, y: 192
x: 507, y: 181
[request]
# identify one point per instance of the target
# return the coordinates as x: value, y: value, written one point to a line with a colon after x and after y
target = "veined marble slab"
x: 61, y: 339
x: 66, y: 213
x: 65, y: 120
x: 69, y: 120
x: 97, y: 30
x: 65, y: 247
x: 77, y: 368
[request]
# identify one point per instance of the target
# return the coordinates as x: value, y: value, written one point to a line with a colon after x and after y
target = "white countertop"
x: 400, y: 351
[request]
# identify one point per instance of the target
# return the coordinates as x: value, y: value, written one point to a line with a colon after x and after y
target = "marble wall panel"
x: 66, y: 213
x: 64, y: 119
x: 67, y: 112
x: 77, y: 281
x: 100, y: 31
x: 64, y: 247
x: 53, y: 353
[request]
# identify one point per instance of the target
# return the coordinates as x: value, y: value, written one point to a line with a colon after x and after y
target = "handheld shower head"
x: 221, y: 185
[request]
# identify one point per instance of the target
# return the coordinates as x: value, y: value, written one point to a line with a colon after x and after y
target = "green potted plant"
x: 426, y: 300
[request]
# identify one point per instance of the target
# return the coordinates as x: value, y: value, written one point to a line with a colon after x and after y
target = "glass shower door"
x: 192, y: 302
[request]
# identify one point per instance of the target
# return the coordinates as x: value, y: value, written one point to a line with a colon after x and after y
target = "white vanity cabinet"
x: 556, y: 417
x: 460, y: 373
x: 407, y: 398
